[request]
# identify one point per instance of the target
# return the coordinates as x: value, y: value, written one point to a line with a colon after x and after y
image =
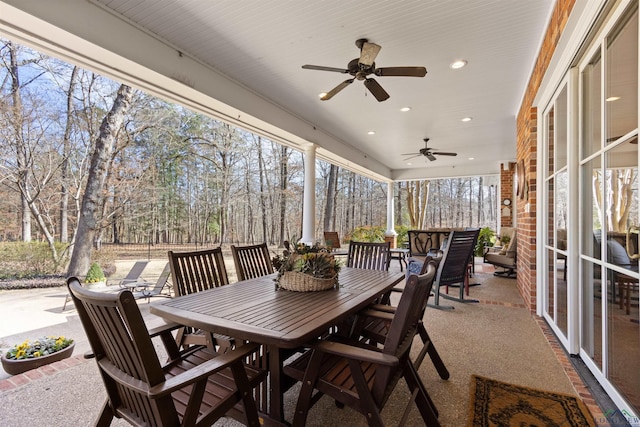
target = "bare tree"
x: 93, y: 195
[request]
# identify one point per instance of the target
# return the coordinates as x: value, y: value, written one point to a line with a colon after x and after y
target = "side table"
x: 401, y: 255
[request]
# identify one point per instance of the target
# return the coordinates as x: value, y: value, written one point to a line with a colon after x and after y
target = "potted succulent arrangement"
x: 306, y: 268
x: 33, y: 354
x: 95, y: 277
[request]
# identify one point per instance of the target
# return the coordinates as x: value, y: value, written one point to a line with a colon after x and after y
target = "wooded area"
x: 175, y: 176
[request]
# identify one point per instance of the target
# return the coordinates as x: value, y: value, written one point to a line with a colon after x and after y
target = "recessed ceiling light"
x: 371, y: 132
x: 405, y: 109
x: 612, y: 98
x: 409, y: 163
x: 458, y: 64
x: 466, y: 119
x: 322, y: 94
x: 471, y: 158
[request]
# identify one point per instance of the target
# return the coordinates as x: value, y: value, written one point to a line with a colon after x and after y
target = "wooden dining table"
x: 281, y: 320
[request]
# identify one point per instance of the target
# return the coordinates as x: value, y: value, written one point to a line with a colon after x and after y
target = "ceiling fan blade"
x: 440, y: 153
x: 337, y: 89
x: 368, y: 53
x: 430, y: 156
x: 376, y: 90
x: 322, y: 68
x: 412, y: 156
x: 401, y: 71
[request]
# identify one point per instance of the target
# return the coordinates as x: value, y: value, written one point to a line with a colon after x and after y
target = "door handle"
x: 632, y: 229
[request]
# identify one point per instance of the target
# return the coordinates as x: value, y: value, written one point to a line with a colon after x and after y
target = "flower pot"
x: 95, y: 285
x: 18, y: 366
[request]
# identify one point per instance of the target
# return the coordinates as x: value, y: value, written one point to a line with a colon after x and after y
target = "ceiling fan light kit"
x: 364, y: 66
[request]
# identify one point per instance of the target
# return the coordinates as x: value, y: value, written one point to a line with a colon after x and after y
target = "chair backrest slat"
x: 251, y: 261
x: 198, y: 270
x: 369, y: 256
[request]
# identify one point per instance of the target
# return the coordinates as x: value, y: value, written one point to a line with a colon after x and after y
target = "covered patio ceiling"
x: 241, y: 61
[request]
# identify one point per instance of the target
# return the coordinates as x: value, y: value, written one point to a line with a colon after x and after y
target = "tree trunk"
x: 64, y: 169
x: 329, y: 209
x: 21, y: 152
x: 284, y: 160
x: 93, y: 194
x: 263, y: 197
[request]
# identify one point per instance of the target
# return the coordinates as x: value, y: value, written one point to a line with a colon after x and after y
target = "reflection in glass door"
x: 555, y: 282
x: 610, y: 328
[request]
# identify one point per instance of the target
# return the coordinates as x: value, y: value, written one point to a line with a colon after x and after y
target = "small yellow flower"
x: 37, y: 354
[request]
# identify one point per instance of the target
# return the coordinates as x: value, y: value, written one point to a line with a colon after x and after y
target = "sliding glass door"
x: 608, y: 194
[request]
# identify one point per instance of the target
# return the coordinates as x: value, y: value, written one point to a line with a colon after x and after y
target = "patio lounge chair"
x: 133, y: 276
x: 146, y: 291
x: 363, y: 376
x: 195, y: 387
x: 506, y: 256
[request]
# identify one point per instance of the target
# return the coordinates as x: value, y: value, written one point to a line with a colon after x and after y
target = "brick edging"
x: 581, y: 389
x: 19, y: 380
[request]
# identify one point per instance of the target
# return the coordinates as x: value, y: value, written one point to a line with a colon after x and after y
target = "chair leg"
x: 423, y: 401
x: 308, y: 384
x: 430, y: 349
x: 106, y: 416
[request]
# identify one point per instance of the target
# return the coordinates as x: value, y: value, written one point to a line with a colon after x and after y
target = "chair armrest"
x: 379, y: 311
x: 158, y: 330
x: 356, y: 353
x: 202, y: 371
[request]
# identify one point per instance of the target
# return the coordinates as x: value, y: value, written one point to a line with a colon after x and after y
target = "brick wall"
x: 526, y: 134
x: 506, y: 192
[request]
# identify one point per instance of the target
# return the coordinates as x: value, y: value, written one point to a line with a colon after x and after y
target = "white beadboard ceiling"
x: 260, y: 46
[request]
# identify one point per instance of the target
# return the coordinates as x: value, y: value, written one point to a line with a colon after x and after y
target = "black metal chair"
x: 454, y: 267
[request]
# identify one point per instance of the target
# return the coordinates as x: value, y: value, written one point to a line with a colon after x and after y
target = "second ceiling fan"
x: 428, y: 152
x: 360, y: 68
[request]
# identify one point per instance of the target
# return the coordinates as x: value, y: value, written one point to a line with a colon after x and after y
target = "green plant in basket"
x: 315, y: 261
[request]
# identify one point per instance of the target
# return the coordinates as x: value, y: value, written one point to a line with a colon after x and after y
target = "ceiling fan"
x: 364, y: 66
x: 429, y: 153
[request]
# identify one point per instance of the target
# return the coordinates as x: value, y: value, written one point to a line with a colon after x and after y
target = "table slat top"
x: 255, y: 311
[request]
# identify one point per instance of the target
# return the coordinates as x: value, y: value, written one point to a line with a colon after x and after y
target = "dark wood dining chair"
x: 251, y: 261
x: 197, y: 271
x: 363, y: 376
x: 373, y: 328
x: 369, y: 256
x: 195, y: 387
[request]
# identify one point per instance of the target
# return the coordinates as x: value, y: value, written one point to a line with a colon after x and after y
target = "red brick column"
x: 506, y: 192
x: 526, y: 134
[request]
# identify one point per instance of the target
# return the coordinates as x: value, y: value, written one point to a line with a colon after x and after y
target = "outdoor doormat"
x: 494, y: 403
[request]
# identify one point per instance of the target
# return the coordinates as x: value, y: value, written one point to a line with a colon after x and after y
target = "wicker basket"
x: 301, y: 282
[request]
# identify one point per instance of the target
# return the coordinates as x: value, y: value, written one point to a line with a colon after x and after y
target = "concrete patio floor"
x: 497, y: 337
